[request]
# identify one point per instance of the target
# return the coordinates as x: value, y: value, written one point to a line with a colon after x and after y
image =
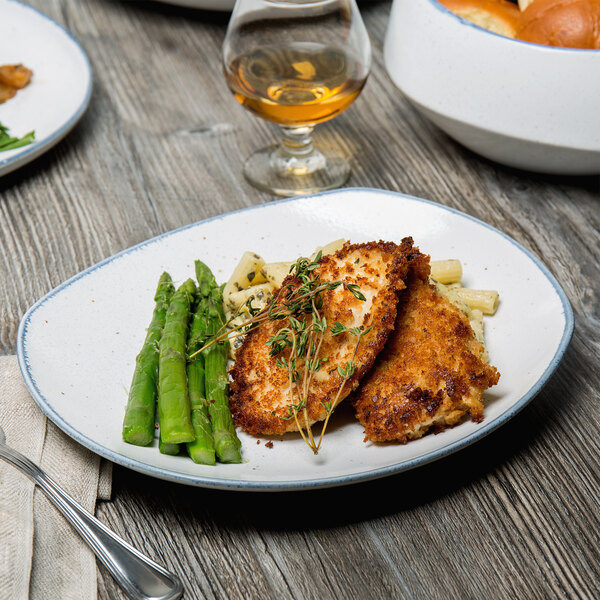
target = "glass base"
x: 274, y: 170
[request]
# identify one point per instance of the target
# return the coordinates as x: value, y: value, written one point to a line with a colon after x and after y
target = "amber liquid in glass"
x: 296, y: 84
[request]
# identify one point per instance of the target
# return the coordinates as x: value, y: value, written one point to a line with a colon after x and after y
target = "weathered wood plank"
x: 162, y: 145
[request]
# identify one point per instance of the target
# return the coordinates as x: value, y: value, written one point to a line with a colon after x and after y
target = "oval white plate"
x: 59, y: 91
x: 77, y: 345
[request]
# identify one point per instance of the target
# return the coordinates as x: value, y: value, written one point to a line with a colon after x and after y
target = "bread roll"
x: 499, y: 16
x: 566, y: 23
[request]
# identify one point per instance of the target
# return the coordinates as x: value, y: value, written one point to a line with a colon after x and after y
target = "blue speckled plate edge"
x: 314, y: 483
x: 35, y: 150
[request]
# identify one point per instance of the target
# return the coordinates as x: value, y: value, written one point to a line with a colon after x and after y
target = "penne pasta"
x: 446, y: 271
x: 276, y: 272
x: 476, y: 321
x: 259, y: 294
x: 484, y: 300
x: 329, y: 248
x: 246, y: 273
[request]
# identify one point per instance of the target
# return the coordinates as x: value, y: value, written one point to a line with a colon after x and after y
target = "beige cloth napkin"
x: 41, y: 556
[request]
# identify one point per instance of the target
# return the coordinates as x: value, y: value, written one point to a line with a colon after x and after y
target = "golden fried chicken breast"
x: 429, y: 375
x: 260, y: 399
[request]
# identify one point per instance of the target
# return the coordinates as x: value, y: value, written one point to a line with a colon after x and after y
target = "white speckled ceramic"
x: 77, y: 345
x: 59, y: 91
x: 525, y: 105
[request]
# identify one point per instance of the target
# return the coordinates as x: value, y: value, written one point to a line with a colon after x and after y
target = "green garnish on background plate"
x: 7, y: 142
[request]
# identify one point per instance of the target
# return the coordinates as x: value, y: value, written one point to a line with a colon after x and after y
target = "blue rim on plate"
x: 235, y: 484
x: 33, y: 151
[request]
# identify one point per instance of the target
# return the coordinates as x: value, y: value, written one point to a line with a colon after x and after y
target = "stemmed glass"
x: 296, y: 63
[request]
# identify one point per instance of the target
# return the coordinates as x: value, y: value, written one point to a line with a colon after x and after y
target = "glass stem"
x: 296, y: 155
x: 297, y: 141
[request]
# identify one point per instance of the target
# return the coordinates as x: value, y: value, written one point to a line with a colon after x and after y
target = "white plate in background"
x: 60, y: 88
x: 77, y: 345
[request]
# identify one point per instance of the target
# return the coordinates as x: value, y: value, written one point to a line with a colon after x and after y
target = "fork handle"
x: 140, y: 577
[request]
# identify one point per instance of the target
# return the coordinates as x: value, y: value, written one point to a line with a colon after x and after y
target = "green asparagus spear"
x: 173, y: 400
x: 205, y: 277
x: 138, y: 423
x: 227, y: 444
x: 202, y: 449
x: 170, y: 449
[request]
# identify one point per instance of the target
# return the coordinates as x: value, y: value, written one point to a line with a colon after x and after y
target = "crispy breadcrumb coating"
x: 260, y: 397
x: 430, y: 373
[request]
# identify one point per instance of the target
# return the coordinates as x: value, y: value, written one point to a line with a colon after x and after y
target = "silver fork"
x: 140, y: 577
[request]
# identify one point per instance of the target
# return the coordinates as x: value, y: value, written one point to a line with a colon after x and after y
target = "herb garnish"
x: 7, y: 142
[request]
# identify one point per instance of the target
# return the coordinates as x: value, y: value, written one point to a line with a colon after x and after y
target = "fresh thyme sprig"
x: 297, y: 345
x: 345, y: 372
x: 290, y: 300
x: 288, y: 338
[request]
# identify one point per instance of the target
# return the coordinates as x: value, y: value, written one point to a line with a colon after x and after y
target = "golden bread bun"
x: 566, y: 23
x: 499, y: 16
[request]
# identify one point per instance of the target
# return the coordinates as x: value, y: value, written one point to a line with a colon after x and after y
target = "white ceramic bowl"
x: 524, y: 105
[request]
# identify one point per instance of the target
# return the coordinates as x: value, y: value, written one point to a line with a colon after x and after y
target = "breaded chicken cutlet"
x: 430, y: 373
x: 260, y: 399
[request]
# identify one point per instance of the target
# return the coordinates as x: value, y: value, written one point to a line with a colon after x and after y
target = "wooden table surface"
x: 162, y: 145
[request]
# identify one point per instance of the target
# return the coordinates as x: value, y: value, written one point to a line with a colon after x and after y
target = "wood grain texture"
x: 161, y: 145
